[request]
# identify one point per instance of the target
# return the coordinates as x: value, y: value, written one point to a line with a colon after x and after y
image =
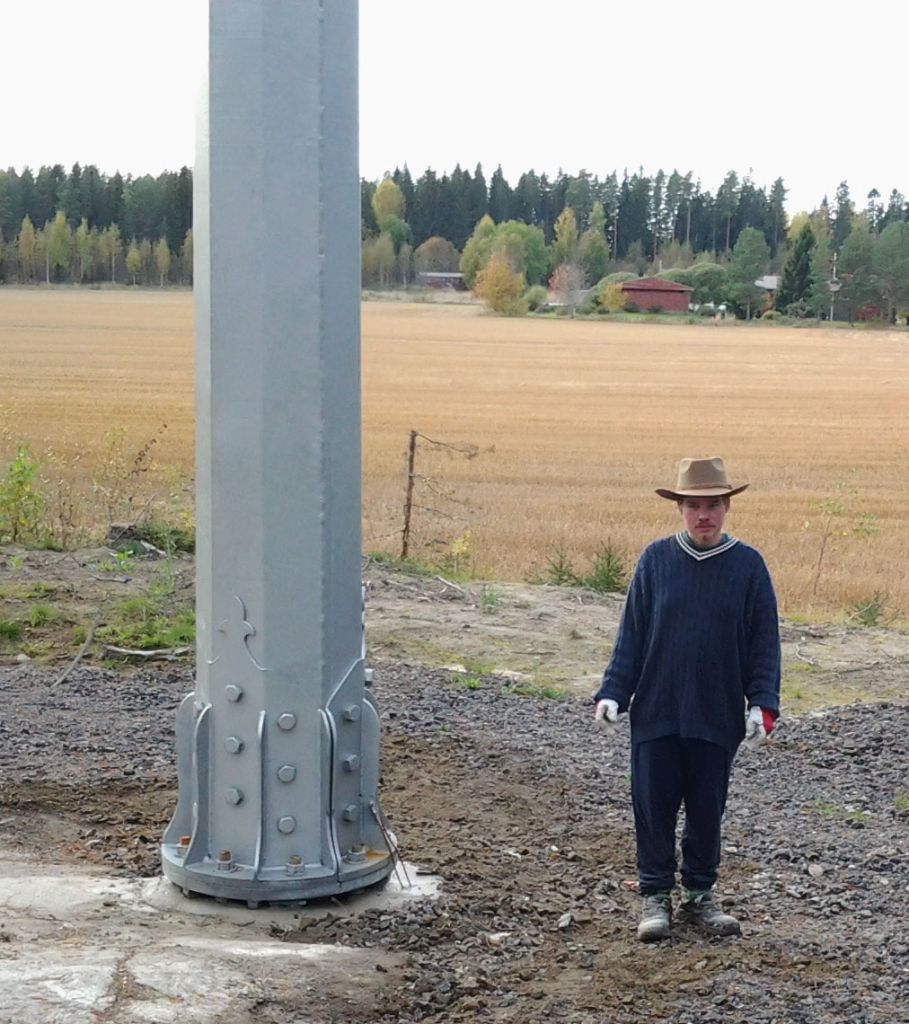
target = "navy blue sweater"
x: 698, y: 642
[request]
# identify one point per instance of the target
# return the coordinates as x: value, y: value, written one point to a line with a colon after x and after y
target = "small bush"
x: 772, y: 314
x: 10, y: 630
x: 608, y: 574
x: 535, y: 297
x: 560, y: 571
x: 39, y: 614
x: 873, y: 612
x: 21, y: 505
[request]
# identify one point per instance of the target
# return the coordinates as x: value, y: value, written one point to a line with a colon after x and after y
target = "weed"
x: 478, y: 667
x: 40, y: 589
x: 40, y: 614
x: 117, y: 482
x: 10, y: 630
x: 411, y: 566
x: 457, y: 563
x: 120, y: 562
x: 21, y: 504
x: 872, y: 612
x: 469, y: 682
x: 901, y: 800
x: 489, y: 600
x: 143, y: 624
x: 543, y: 691
x: 845, y: 504
x: 154, y: 619
x: 166, y: 536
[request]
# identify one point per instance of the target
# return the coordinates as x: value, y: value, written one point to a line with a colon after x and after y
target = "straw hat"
x: 701, y: 478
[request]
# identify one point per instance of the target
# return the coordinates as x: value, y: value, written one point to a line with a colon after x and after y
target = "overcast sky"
x: 813, y: 92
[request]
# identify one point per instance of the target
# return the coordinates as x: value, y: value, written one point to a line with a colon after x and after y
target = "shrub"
x: 21, y: 505
x: 536, y: 296
x: 608, y: 573
x: 612, y: 298
x: 500, y: 287
x: 772, y: 314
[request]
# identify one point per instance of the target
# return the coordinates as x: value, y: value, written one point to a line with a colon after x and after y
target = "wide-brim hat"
x: 701, y: 478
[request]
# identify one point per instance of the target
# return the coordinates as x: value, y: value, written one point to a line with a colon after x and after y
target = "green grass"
x: 10, y: 631
x: 468, y: 682
x: 40, y: 614
x: 411, y: 566
x: 543, y: 691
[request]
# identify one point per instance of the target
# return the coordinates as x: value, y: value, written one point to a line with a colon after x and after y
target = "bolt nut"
x: 351, y: 763
x: 356, y: 855
x: 295, y: 865
x: 233, y: 692
x: 233, y: 795
x: 351, y: 713
x: 287, y: 824
x: 351, y: 812
x: 287, y: 773
x: 287, y: 721
x: 368, y: 676
x: 233, y: 744
x: 225, y: 861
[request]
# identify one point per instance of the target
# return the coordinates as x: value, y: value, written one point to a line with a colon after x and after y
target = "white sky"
x: 810, y: 91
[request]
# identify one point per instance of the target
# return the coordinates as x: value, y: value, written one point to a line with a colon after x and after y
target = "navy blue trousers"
x: 666, y: 774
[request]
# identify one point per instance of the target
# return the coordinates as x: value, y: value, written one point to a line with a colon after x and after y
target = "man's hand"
x: 606, y: 715
x: 757, y: 726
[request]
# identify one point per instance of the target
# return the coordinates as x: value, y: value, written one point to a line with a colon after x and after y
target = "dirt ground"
x: 494, y: 781
x: 541, y: 638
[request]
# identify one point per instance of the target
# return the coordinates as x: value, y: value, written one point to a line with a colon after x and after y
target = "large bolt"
x: 287, y: 824
x: 295, y: 865
x: 356, y: 855
x: 351, y: 812
x: 287, y: 721
x: 233, y: 692
x: 352, y: 713
x: 351, y: 763
x: 225, y: 861
x: 233, y: 795
x: 233, y: 744
x: 182, y: 846
x: 287, y: 773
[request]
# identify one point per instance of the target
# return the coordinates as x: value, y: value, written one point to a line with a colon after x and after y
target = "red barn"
x: 649, y: 293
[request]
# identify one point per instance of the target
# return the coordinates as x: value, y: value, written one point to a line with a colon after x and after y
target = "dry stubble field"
x: 576, y: 422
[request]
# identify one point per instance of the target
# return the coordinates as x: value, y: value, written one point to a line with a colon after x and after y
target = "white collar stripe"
x: 698, y: 554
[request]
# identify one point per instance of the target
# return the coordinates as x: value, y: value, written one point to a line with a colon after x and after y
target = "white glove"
x: 755, y: 733
x: 606, y: 715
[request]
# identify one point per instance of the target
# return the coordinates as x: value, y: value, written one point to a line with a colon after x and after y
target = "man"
x: 698, y: 644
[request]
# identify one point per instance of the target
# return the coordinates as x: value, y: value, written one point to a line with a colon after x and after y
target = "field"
x: 575, y: 423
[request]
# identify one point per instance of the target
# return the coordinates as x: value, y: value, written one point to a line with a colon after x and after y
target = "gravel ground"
x: 524, y: 810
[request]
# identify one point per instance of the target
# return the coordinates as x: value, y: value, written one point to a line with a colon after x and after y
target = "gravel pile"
x: 524, y: 810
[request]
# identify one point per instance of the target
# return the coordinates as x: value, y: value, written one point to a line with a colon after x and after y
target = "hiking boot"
x: 656, y: 914
x: 699, y: 908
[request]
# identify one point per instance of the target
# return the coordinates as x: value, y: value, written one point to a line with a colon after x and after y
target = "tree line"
x: 85, y: 226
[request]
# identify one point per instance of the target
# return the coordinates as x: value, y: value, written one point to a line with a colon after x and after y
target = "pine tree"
x: 797, y: 281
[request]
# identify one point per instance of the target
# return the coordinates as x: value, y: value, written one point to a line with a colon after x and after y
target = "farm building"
x: 649, y: 293
x: 441, y: 279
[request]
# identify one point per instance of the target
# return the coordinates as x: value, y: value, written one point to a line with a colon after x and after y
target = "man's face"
x: 703, y: 519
